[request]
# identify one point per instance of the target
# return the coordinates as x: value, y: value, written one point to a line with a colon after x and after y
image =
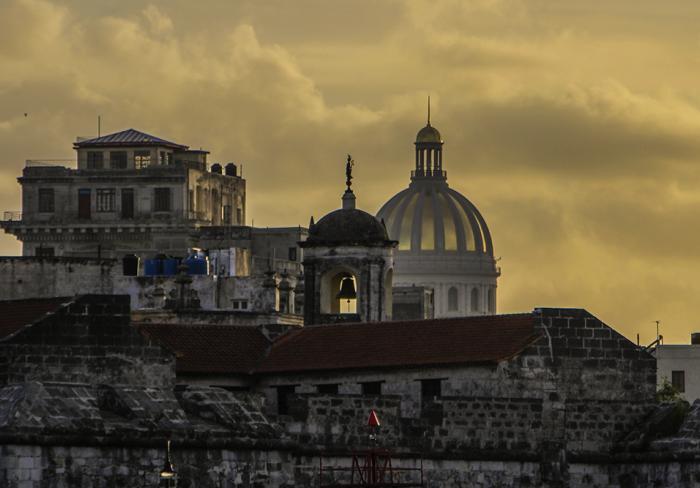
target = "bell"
x: 347, y: 289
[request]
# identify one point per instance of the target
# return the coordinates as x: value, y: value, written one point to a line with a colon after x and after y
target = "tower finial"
x: 428, y: 109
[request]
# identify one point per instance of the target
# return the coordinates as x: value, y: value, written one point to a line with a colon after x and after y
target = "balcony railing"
x: 47, y: 163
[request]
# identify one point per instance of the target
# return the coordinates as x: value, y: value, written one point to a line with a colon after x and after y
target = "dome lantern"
x: 428, y: 153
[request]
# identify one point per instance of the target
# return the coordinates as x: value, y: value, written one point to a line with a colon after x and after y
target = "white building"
x: 679, y: 364
x: 444, y: 242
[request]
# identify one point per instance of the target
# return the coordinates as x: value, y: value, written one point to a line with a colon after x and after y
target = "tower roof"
x: 348, y: 226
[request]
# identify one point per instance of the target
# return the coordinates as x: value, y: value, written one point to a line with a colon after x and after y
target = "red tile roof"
x: 210, y: 348
x: 474, y: 340
x: 15, y: 314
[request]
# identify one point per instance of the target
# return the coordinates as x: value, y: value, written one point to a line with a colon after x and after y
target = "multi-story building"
x: 128, y: 192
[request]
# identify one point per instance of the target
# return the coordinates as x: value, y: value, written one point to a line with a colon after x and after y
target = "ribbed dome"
x: 348, y: 226
x: 428, y: 134
x: 431, y: 217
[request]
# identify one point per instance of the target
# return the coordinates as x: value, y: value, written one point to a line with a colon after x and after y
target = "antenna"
x: 99, y: 124
x: 658, y: 322
x: 428, y: 109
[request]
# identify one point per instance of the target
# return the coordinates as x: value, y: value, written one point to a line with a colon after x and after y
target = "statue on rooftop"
x: 348, y: 171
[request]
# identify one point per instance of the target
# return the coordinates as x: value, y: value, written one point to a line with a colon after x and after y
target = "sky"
x: 574, y: 126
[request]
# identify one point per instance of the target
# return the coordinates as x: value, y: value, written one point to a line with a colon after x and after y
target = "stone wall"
x: 23, y: 466
x: 33, y: 277
x: 89, y: 341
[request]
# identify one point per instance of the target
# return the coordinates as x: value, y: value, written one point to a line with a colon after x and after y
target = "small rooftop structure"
x: 128, y: 137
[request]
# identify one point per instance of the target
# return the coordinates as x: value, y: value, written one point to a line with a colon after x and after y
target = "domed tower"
x: 444, y: 243
x: 348, y: 266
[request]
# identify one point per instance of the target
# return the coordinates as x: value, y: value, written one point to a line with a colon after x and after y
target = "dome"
x: 431, y: 217
x: 348, y: 226
x: 429, y: 134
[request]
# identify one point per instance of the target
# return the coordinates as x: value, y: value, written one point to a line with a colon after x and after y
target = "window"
x: 240, y: 304
x: 46, y: 200
x: 166, y: 158
x: 492, y: 300
x: 117, y: 159
x: 452, y: 299
x: 95, y: 160
x: 292, y: 253
x: 127, y: 203
x: 678, y: 380
x: 239, y: 216
x: 44, y: 252
x: 227, y: 214
x: 162, y: 200
x: 84, y: 203
x: 142, y: 159
x: 430, y: 389
x: 371, y: 388
x: 283, y: 394
x: 105, y: 200
x: 328, y: 389
x: 475, y: 300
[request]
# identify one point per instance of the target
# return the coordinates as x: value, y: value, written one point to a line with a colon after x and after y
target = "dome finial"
x: 348, y: 171
x: 349, y: 196
x: 428, y: 109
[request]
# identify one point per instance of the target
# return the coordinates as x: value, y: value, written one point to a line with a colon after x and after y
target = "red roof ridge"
x: 453, y: 340
x: 13, y: 322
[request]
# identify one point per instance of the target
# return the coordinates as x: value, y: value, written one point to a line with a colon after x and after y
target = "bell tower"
x: 348, y: 265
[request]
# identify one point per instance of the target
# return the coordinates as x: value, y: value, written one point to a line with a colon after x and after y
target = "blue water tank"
x: 197, y: 265
x: 152, y: 267
x: 170, y: 266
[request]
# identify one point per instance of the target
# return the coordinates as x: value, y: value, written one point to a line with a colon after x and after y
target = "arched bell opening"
x: 339, y: 292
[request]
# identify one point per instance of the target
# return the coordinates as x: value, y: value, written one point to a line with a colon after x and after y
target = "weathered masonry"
x: 550, y: 398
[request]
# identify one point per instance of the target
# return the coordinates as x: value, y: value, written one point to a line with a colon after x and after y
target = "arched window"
x: 492, y: 300
x: 475, y: 300
x: 452, y: 299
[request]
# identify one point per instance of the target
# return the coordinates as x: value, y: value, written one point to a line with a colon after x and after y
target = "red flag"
x: 373, y: 420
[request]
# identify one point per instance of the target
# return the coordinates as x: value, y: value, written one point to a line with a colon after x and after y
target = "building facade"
x: 128, y: 193
x: 679, y: 365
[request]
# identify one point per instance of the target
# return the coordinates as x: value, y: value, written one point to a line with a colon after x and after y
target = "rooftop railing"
x: 47, y: 163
